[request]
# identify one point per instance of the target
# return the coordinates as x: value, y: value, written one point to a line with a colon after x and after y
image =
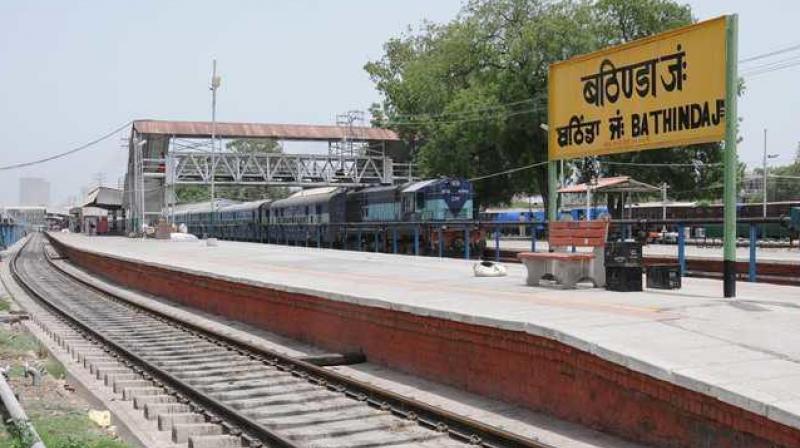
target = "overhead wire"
x: 478, y: 117
x: 512, y: 170
x: 659, y: 165
x: 66, y: 153
x: 473, y: 111
x: 757, y: 57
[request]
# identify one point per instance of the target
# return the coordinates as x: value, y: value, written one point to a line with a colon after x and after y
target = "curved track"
x: 249, y: 397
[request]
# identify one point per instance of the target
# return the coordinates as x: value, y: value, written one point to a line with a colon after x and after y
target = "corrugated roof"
x: 305, y: 132
x: 104, y: 197
x: 613, y: 185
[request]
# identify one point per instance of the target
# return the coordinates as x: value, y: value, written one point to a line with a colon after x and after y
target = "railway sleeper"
x: 182, y: 431
x: 89, y: 360
x: 94, y: 367
x: 167, y: 419
x: 140, y: 401
x: 217, y: 441
x: 273, y: 413
x: 252, y: 368
x: 221, y: 379
x: 265, y: 381
x: 101, y: 373
x: 119, y: 386
x: 153, y: 410
x: 191, y: 357
x: 131, y: 392
x: 119, y: 375
x: 185, y: 366
x: 175, y: 351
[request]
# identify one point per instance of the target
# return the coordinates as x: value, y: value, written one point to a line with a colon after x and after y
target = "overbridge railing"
x: 282, y: 169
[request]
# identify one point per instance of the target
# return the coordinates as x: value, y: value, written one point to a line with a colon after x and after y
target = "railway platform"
x: 667, y: 368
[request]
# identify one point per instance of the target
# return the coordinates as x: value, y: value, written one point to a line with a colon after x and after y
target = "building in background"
x: 34, y: 191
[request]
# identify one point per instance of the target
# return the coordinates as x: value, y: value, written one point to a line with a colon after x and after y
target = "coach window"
x: 420, y: 200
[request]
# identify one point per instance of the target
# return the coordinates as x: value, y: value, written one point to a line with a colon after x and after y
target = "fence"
x: 10, y: 234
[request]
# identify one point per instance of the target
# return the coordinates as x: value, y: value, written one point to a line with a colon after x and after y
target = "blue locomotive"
x: 425, y: 214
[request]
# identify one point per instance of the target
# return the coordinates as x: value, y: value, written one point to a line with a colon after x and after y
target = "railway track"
x: 210, y: 391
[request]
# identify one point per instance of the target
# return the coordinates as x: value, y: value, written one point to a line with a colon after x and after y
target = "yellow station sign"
x: 662, y: 91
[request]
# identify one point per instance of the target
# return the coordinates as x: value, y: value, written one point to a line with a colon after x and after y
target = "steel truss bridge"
x: 301, y: 170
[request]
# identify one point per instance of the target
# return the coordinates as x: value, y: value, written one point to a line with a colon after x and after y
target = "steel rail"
x: 457, y: 426
x: 249, y: 428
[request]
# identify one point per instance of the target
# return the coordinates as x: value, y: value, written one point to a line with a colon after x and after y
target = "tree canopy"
x: 469, y: 95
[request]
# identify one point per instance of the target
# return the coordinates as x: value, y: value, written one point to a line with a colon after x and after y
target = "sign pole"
x: 730, y: 161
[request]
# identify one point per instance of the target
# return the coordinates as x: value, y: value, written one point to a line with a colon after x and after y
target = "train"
x: 438, y: 215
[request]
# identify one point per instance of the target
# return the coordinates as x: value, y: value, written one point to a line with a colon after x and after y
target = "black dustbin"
x: 624, y: 278
x: 623, y: 254
x: 664, y: 276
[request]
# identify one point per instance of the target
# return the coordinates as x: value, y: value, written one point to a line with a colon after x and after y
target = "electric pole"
x: 215, y: 82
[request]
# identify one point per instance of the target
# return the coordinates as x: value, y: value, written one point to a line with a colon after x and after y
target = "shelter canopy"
x: 620, y: 184
x: 104, y: 197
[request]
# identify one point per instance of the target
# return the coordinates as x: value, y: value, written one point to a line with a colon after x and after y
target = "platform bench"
x: 566, y: 267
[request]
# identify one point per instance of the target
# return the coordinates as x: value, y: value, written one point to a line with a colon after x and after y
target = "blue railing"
x: 10, y: 234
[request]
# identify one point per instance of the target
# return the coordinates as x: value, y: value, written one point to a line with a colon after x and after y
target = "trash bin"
x: 623, y: 278
x: 664, y: 276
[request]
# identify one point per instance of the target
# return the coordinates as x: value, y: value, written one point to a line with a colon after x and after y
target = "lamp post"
x: 215, y: 83
x: 764, y: 173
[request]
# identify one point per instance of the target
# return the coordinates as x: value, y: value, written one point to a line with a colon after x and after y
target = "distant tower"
x: 353, y: 142
x: 34, y: 191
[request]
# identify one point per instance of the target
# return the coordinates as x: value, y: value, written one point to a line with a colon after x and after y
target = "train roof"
x: 310, y: 196
x: 312, y: 192
x: 245, y: 205
x: 203, y: 207
x: 377, y: 189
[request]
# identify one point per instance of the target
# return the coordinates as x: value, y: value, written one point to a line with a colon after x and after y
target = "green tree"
x: 198, y: 193
x: 470, y: 94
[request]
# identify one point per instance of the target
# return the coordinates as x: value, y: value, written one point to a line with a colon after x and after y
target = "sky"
x: 72, y: 71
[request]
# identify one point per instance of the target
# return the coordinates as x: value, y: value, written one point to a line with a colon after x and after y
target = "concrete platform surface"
x: 745, y: 352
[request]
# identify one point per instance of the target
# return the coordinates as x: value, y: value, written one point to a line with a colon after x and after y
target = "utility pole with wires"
x: 215, y: 83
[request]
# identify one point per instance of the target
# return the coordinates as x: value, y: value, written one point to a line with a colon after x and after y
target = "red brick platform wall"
x: 535, y: 372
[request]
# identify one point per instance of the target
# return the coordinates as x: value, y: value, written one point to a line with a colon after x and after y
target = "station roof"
x: 104, y: 197
x: 300, y: 132
x: 620, y: 184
